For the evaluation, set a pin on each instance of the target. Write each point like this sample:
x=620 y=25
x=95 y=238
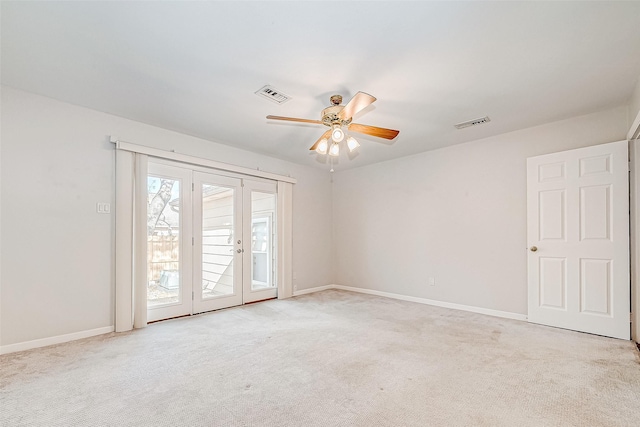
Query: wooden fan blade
x=374 y=131
x=359 y=102
x=324 y=135
x=293 y=119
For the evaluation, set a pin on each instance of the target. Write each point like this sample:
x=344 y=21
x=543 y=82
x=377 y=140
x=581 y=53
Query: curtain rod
x=185 y=158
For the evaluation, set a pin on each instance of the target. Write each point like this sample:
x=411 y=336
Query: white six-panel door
x=578 y=239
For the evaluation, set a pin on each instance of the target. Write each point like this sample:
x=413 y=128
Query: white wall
x=57 y=260
x=457 y=214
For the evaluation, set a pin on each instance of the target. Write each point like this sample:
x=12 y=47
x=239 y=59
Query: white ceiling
x=193 y=67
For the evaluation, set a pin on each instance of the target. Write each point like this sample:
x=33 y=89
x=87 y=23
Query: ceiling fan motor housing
x=330 y=115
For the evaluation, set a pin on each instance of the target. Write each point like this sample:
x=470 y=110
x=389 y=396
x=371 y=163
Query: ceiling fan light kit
x=337 y=134
x=322 y=146
x=335 y=117
x=352 y=144
x=334 y=150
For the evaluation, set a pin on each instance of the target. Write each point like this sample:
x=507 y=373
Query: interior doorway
x=578 y=238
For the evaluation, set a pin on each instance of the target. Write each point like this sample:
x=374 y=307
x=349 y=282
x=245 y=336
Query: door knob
x=533 y=248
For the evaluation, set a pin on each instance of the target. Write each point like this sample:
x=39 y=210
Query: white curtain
x=285 y=240
x=131 y=241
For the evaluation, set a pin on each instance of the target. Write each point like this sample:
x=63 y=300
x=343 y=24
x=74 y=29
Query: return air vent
x=273 y=94
x=473 y=122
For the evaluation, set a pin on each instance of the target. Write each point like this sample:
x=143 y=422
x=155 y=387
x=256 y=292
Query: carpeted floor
x=332 y=358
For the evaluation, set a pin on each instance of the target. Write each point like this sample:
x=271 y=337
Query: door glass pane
x=163 y=241
x=217 y=241
x=263 y=212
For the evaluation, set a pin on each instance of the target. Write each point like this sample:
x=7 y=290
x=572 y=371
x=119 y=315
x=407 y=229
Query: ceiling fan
x=338 y=116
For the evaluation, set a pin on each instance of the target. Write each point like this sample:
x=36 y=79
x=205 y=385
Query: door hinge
x=193 y=241
x=193 y=186
x=192 y=296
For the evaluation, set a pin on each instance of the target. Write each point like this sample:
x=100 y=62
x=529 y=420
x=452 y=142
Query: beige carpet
x=333 y=358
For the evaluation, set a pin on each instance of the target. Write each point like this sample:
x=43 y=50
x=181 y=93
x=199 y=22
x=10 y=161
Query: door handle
x=533 y=248
x=240 y=250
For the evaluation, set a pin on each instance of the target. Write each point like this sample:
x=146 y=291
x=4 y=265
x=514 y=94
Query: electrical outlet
x=432 y=281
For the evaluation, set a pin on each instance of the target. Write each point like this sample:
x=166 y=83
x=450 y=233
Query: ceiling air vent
x=273 y=94
x=473 y=122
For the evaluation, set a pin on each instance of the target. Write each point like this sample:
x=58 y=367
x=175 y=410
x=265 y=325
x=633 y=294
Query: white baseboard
x=480 y=310
x=27 y=345
x=43 y=342
x=311 y=290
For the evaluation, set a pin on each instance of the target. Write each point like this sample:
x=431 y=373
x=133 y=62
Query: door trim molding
x=634 y=182
x=634 y=130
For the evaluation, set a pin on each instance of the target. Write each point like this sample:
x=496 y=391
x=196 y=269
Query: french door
x=211 y=241
x=259 y=230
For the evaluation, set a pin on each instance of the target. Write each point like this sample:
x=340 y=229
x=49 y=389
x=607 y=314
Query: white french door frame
x=192 y=299
x=183 y=306
x=200 y=303
x=130 y=265
x=250 y=294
